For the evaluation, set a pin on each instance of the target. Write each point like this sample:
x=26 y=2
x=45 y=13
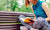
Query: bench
x=10 y=21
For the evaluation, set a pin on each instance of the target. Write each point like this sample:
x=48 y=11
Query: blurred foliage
x=12 y=6
x=48 y=5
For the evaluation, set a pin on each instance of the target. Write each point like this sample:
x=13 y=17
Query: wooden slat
x=14 y=14
x=8 y=17
x=7 y=21
x=7 y=29
x=7 y=24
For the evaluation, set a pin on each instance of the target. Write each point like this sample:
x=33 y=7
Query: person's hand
x=29 y=20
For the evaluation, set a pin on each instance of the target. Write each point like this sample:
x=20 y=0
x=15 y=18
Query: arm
x=33 y=13
x=47 y=11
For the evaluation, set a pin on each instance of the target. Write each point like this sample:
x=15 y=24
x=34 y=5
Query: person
x=41 y=13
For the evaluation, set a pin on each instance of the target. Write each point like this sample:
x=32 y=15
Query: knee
x=40 y=19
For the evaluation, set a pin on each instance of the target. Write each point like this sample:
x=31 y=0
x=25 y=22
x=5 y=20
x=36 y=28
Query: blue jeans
x=40 y=23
